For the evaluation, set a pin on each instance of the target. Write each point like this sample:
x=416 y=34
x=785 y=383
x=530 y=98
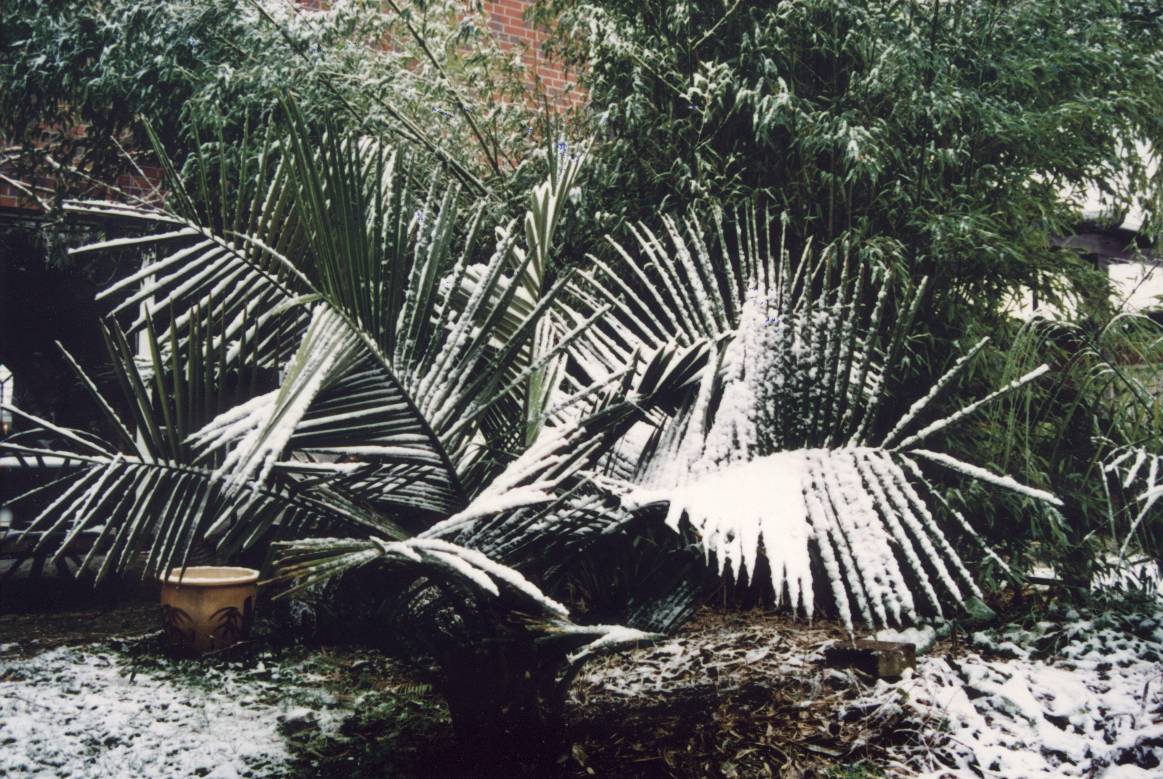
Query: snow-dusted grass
x=85 y=712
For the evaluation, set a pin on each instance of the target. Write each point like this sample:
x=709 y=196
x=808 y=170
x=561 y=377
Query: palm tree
x=447 y=415
x=397 y=329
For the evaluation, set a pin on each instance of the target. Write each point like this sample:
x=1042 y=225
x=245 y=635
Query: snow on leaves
x=772 y=452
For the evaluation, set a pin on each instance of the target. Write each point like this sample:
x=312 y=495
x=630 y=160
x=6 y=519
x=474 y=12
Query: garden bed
x=730 y=695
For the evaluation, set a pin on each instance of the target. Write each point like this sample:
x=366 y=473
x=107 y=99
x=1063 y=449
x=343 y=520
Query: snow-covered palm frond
x=321 y=259
x=548 y=497
x=310 y=561
x=153 y=492
x=777 y=448
x=221 y=253
x=517 y=608
x=546 y=503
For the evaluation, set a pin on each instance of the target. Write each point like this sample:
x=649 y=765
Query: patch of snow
x=923 y=402
x=855 y=505
x=766 y=504
x=922 y=637
x=725 y=655
x=1118 y=576
x=527 y=481
x=1127 y=576
x=941 y=424
x=84 y=712
x=1138 y=285
x=255 y=433
x=1094 y=707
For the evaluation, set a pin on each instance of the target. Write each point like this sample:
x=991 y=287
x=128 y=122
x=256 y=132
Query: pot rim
x=211 y=576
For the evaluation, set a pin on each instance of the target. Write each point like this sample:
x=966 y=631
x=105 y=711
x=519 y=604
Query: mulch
x=34 y=631
x=732 y=695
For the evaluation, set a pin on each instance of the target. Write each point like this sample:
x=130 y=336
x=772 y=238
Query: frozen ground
x=88 y=713
x=1076 y=697
x=729 y=695
x=1072 y=697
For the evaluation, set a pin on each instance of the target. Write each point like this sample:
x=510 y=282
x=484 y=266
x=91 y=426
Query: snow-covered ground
x=86 y=713
x=1077 y=697
x=1072 y=697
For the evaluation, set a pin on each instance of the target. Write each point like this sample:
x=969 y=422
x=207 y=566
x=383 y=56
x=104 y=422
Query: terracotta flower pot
x=208 y=607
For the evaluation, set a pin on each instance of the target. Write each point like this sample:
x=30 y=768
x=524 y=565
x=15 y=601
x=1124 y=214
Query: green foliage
x=1102 y=400
x=863 y=769
x=949 y=140
x=321 y=260
x=449 y=405
x=77 y=77
x=942 y=131
x=393 y=732
x=429 y=347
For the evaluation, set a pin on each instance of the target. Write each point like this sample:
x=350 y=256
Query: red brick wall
x=12 y=198
x=508 y=23
x=507 y=20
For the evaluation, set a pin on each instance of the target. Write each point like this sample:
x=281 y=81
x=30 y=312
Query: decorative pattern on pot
x=207 y=607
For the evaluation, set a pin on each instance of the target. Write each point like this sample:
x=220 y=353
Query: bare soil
x=78 y=626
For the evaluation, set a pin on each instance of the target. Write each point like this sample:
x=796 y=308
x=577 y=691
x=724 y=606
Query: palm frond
x=316 y=257
x=775 y=448
x=161 y=507
x=153 y=492
x=478 y=582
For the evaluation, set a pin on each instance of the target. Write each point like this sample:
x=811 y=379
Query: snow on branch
x=312 y=560
x=941 y=424
x=258 y=430
x=922 y=403
x=736 y=509
x=852 y=506
x=989 y=477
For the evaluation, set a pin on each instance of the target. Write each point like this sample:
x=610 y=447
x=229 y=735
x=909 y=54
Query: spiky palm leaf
x=148 y=489
x=777 y=449
x=752 y=365
x=319 y=258
x=474 y=577
x=393 y=349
